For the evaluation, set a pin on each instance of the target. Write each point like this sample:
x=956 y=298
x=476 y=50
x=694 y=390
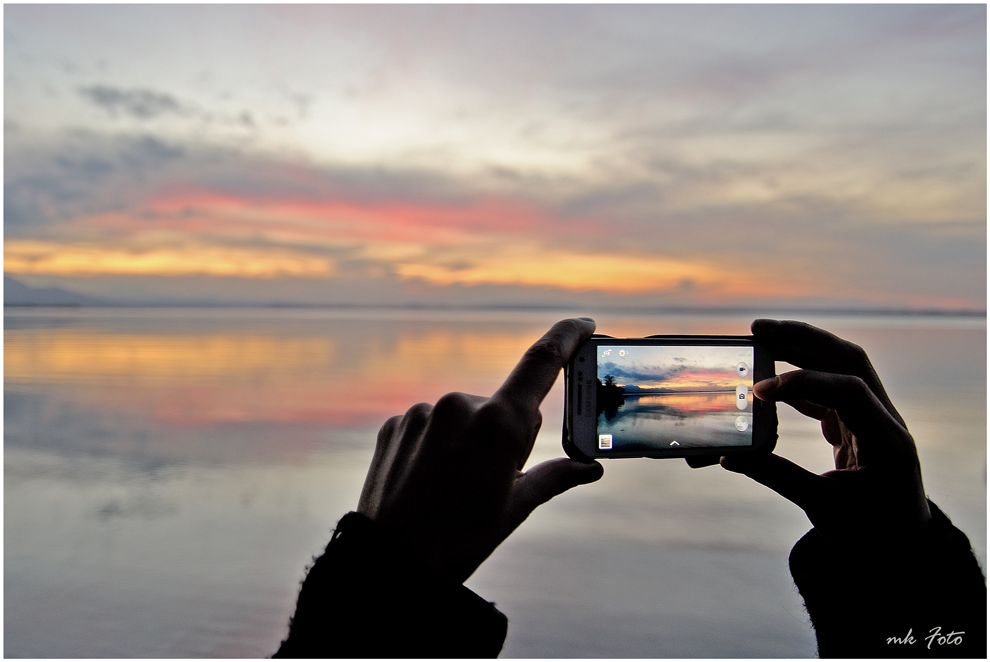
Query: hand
x=449 y=478
x=875 y=491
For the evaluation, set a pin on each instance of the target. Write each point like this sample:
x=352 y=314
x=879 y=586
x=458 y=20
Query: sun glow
x=190 y=259
x=197 y=232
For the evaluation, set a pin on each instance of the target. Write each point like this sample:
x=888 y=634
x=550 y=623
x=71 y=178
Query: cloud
x=138 y=103
x=656 y=374
x=138 y=205
x=79 y=174
x=646 y=154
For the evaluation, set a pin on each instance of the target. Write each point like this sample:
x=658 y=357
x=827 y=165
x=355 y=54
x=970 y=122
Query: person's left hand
x=448 y=478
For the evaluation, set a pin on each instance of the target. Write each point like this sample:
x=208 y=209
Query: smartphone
x=667 y=396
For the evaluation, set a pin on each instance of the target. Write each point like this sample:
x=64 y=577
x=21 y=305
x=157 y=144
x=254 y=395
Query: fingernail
x=586 y=319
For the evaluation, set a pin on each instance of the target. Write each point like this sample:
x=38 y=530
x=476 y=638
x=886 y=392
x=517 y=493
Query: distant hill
x=19 y=294
x=633 y=389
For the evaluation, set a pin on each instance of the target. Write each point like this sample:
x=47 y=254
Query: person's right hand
x=449 y=478
x=875 y=491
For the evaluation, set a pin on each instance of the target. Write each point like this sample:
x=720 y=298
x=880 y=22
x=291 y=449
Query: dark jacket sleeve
x=367 y=596
x=927 y=599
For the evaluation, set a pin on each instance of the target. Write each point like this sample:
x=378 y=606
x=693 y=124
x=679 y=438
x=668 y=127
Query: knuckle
x=452 y=404
x=497 y=419
x=419 y=413
x=856 y=353
x=855 y=383
x=854 y=386
x=492 y=415
x=387 y=430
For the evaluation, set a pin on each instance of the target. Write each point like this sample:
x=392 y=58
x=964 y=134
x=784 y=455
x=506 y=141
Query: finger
x=537 y=424
x=451 y=415
x=796 y=484
x=537 y=370
x=699 y=461
x=809 y=409
x=762 y=388
x=832 y=429
x=831 y=426
x=382 y=445
x=545 y=481
x=856 y=405
x=414 y=421
x=385 y=433
x=809 y=347
x=524 y=455
x=828 y=418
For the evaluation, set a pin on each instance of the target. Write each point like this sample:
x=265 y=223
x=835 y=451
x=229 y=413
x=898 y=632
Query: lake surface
x=168 y=475
x=646 y=422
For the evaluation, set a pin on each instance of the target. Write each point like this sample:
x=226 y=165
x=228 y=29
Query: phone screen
x=668 y=397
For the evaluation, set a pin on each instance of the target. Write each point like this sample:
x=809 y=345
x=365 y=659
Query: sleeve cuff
x=369 y=596
x=888 y=601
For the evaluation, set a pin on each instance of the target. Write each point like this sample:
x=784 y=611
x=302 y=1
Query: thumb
x=546 y=480
x=794 y=483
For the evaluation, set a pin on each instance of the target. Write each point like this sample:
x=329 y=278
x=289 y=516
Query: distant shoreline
x=748 y=311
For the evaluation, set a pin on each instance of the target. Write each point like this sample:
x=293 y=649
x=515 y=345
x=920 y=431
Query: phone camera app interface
x=652 y=397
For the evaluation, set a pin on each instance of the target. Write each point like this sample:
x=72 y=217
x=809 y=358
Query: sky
x=644 y=155
x=676 y=368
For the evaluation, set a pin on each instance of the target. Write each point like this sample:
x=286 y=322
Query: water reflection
x=644 y=422
x=169 y=474
x=343 y=376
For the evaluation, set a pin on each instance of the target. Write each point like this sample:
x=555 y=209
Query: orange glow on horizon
x=193 y=232
x=194 y=380
x=692 y=402
x=25 y=256
x=695 y=380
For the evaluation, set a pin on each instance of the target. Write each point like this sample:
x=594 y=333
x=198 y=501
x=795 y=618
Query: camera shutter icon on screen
x=741 y=392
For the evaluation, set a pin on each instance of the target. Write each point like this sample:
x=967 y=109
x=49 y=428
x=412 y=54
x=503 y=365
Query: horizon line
x=836 y=310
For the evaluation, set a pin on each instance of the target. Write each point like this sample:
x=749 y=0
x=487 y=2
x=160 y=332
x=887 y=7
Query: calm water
x=169 y=474
x=644 y=422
